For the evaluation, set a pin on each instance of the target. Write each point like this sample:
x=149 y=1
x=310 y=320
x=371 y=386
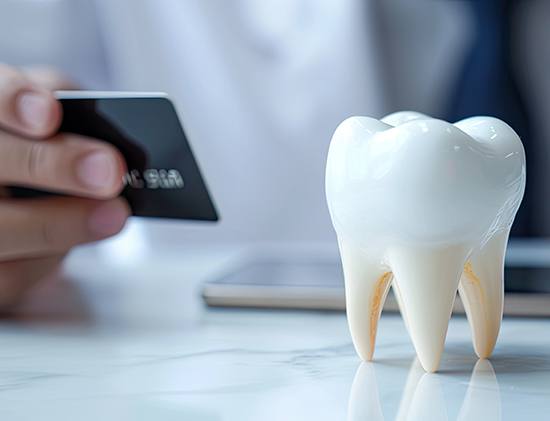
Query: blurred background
x=261 y=86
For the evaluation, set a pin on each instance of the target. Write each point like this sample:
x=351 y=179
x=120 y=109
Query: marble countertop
x=128 y=338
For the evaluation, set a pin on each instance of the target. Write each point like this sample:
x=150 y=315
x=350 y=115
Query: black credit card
x=163 y=179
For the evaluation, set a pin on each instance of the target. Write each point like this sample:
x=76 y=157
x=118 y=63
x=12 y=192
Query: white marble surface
x=126 y=337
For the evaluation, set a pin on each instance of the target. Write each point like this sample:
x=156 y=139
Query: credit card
x=163 y=178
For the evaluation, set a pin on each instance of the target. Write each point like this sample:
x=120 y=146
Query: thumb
x=26 y=108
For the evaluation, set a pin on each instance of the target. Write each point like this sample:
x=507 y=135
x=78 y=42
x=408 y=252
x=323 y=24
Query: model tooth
x=367 y=284
x=482 y=293
x=427 y=279
x=426 y=205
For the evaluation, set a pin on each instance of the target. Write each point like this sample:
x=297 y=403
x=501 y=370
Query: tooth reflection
x=483 y=396
x=423 y=397
x=364 y=402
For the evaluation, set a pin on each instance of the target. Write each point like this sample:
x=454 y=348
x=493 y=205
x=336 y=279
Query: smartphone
x=318 y=284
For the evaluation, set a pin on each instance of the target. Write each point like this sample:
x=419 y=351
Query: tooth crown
x=423 y=181
x=429 y=204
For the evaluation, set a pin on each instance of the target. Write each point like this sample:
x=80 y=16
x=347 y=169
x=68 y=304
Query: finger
x=18 y=276
x=35 y=227
x=65 y=163
x=26 y=108
x=49 y=78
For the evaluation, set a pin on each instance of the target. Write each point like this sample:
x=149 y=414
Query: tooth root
x=397 y=295
x=427 y=279
x=482 y=293
x=366 y=285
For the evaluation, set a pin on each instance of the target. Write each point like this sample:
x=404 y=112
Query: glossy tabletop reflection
x=131 y=340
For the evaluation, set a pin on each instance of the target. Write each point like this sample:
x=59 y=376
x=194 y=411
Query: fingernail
x=108 y=219
x=33 y=109
x=97 y=170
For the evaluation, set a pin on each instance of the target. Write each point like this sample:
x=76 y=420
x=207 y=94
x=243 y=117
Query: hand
x=35 y=234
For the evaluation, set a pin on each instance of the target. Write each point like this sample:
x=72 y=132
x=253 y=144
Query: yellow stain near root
x=470 y=274
x=474 y=280
x=376 y=307
x=483 y=350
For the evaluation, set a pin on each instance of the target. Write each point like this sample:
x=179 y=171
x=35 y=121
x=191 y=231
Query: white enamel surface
x=131 y=340
x=431 y=204
x=424 y=181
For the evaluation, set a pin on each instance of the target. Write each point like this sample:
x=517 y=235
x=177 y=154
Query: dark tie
x=487 y=86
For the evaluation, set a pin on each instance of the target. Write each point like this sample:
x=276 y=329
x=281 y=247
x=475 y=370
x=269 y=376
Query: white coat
x=260 y=85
